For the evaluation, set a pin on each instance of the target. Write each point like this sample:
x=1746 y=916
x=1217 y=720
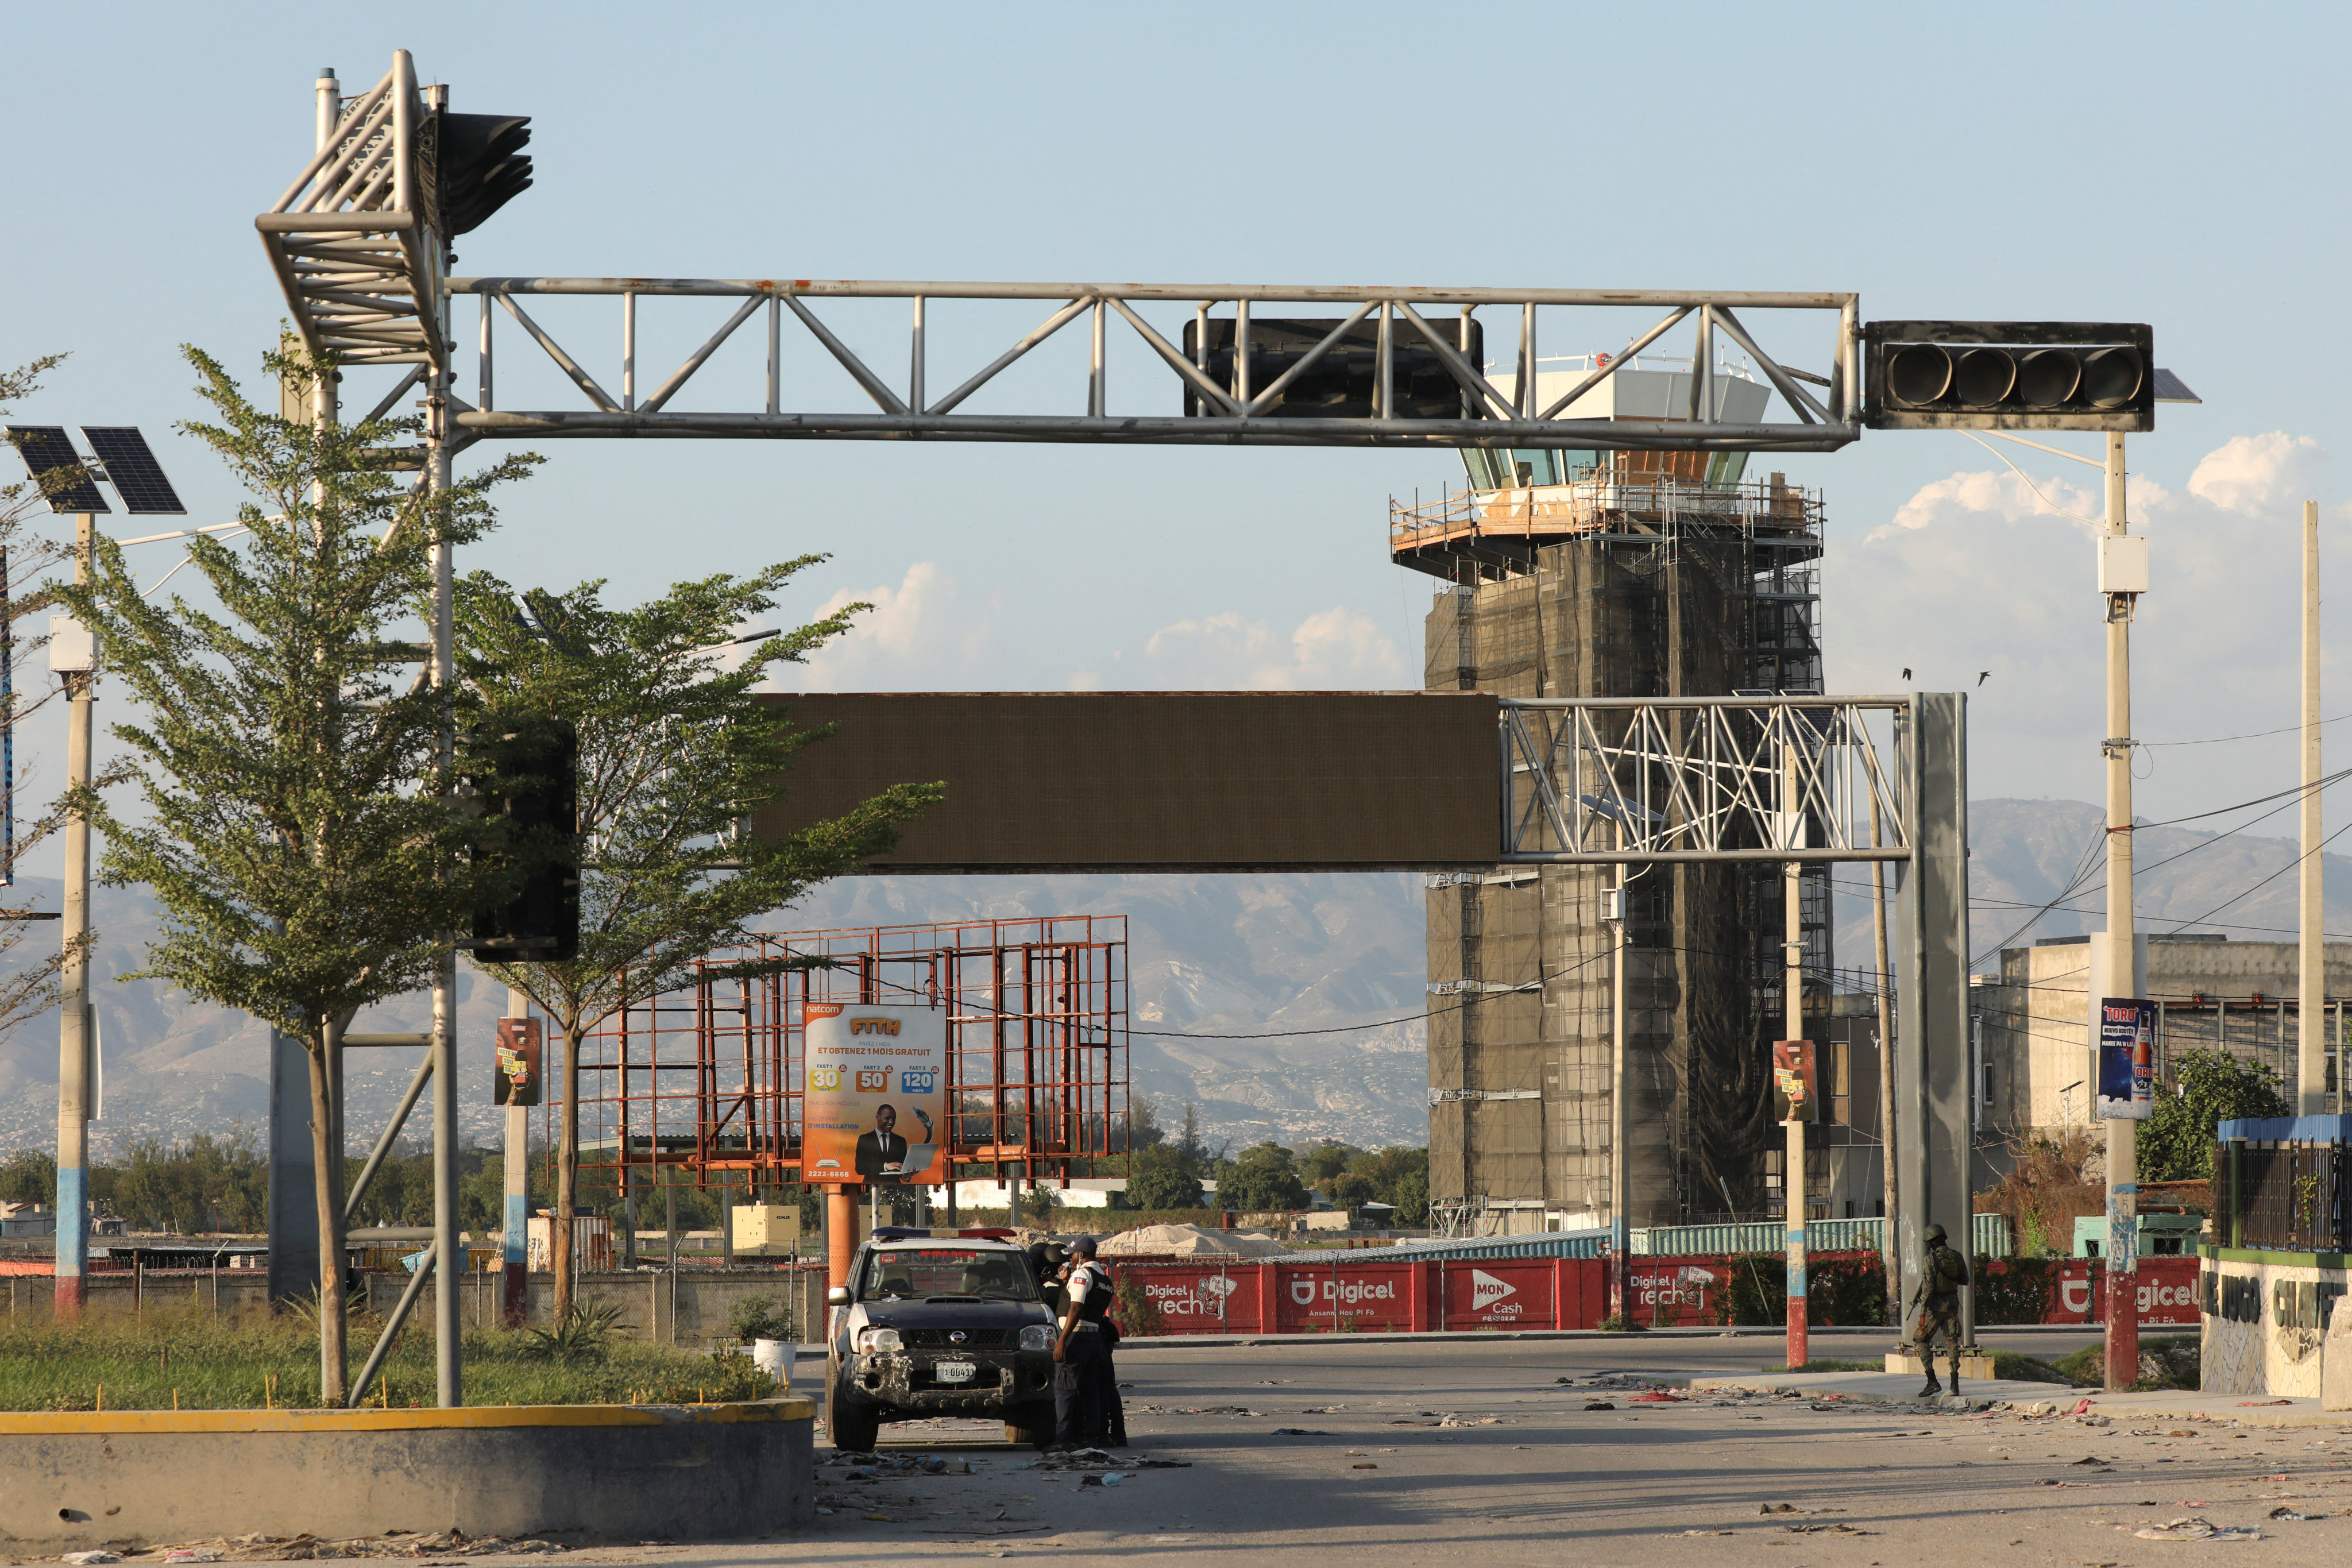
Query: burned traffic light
x=470 y=166
x=526 y=774
x=1343 y=383
x=2009 y=375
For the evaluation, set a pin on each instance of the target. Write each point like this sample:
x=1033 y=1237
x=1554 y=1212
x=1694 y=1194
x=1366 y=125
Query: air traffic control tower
x=1585 y=573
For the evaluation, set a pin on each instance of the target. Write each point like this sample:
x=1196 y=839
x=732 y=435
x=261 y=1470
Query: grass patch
x=1622 y=1325
x=2033 y=1369
x=1817 y=1364
x=183 y=1355
x=2166 y=1361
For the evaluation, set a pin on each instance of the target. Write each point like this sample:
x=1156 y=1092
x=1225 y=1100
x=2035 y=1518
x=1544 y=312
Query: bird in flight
x=1982 y=675
x=1907 y=672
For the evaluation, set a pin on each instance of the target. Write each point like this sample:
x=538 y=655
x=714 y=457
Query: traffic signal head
x=527 y=777
x=1342 y=383
x=469 y=166
x=2009 y=375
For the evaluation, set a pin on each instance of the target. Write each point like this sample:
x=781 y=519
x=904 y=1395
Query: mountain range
x=1281 y=1006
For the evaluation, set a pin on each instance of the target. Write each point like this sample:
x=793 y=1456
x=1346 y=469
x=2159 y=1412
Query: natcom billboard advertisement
x=876 y=1095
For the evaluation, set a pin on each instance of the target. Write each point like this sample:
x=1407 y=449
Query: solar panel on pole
x=45 y=450
x=132 y=470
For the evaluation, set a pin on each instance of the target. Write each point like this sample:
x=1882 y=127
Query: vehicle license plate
x=953 y=1370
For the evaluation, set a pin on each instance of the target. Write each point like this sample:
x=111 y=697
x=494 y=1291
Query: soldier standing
x=1942 y=1273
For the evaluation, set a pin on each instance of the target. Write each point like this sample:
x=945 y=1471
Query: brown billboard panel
x=1161 y=780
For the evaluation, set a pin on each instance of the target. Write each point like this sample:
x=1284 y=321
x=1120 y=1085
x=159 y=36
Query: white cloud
x=1334 y=649
x=2252 y=474
x=920 y=635
x=1974 y=573
x=1999 y=493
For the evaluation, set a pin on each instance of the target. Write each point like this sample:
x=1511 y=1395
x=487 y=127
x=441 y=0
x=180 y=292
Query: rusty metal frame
x=709 y=1079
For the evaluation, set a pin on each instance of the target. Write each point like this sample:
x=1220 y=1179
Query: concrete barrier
x=69 y=1481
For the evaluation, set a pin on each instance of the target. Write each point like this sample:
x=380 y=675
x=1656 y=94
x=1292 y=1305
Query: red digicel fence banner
x=1358 y=1294
x=2168 y=1292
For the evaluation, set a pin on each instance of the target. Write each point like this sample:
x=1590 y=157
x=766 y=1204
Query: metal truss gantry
x=362 y=269
x=1596 y=781
x=1778 y=779
x=366 y=277
x=1241 y=412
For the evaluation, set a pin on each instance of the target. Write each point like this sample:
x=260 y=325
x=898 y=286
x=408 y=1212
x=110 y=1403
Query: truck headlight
x=1037 y=1337
x=870 y=1340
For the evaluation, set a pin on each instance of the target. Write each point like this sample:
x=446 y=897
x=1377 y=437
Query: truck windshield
x=916 y=1273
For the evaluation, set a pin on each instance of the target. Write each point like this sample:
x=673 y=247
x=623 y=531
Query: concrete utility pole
x=2311 y=969
x=1887 y=1239
x=516 y=1305
x=1793 y=994
x=2123 y=1133
x=1792 y=1180
x=77 y=667
x=1620 y=1168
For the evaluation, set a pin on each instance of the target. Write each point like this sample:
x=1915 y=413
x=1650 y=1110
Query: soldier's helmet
x=1936 y=1233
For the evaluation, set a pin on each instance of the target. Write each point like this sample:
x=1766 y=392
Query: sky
x=2165 y=164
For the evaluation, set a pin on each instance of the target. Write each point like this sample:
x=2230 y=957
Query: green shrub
x=756 y=1318
x=1840 y=1292
x=2013 y=1289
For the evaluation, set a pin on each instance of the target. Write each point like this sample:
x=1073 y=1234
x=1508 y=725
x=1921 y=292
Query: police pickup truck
x=938 y=1323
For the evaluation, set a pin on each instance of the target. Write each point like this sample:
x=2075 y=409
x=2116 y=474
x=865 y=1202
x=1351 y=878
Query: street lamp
x=70 y=484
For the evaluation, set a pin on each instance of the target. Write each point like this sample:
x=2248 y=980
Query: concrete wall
x=2264 y=1318
x=73 y=1481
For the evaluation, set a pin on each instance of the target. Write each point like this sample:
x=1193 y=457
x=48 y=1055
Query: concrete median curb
x=75 y=1481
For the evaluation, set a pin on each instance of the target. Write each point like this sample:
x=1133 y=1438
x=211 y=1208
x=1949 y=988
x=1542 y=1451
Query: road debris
x=2194 y=1528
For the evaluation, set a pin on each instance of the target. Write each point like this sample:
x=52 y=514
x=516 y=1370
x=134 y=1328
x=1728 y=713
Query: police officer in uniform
x=1080 y=1362
x=1942 y=1273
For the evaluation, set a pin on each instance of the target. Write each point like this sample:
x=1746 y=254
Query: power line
x=2256 y=735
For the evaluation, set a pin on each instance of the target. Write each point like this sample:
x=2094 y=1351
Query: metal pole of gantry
x=449 y=1257
x=1931 y=1036
x=80 y=673
x=293 y=1185
x=2123 y=1143
x=2311 y=973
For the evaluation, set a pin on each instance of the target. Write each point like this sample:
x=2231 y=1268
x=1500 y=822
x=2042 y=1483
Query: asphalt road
x=1472 y=1454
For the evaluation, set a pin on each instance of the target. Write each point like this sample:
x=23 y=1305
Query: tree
x=1160 y=1178
x=205 y=1184
x=676 y=753
x=299 y=829
x=1350 y=1188
x=1265 y=1179
x=1326 y=1160
x=1412 y=1199
x=2209 y=1088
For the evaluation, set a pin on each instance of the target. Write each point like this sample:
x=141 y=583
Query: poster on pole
x=520 y=1055
x=876 y=1100
x=2127 y=1058
x=1792 y=1080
